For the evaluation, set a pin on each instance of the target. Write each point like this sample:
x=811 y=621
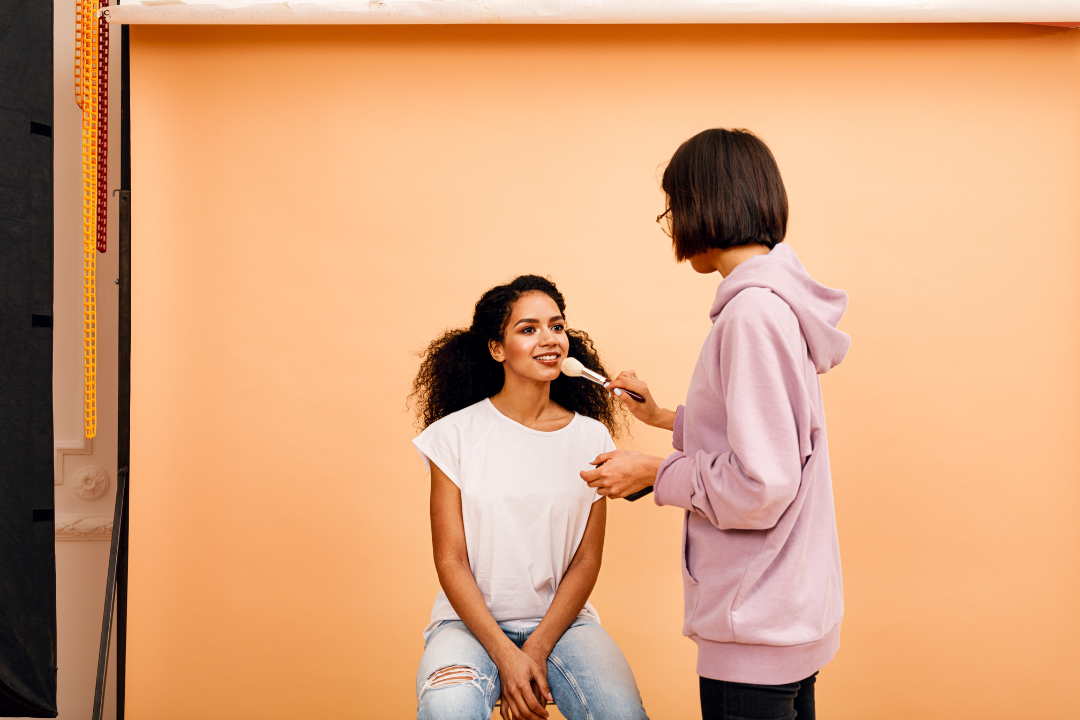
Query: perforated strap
x=87 y=95
x=103 y=128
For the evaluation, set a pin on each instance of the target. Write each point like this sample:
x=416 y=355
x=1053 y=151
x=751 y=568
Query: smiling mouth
x=547 y=358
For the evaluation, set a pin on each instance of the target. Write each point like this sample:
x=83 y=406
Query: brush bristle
x=572 y=367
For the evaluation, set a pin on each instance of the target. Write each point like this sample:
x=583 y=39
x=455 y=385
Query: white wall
x=82 y=564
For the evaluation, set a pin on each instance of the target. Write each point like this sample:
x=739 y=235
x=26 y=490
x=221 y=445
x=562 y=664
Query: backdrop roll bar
x=459 y=12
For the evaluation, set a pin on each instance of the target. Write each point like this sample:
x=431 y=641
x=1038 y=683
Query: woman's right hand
x=647 y=412
x=524 y=683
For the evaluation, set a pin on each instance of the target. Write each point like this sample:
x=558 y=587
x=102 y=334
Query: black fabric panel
x=27 y=557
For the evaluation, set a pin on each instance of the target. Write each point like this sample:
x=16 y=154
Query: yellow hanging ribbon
x=86 y=95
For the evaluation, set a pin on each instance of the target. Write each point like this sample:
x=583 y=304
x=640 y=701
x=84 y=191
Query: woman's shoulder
x=589 y=424
x=467 y=418
x=757 y=310
x=451 y=440
x=756 y=302
x=592 y=431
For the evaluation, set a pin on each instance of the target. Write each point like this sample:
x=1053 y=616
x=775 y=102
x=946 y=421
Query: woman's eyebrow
x=535 y=321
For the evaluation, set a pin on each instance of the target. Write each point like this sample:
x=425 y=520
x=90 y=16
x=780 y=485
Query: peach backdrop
x=313 y=204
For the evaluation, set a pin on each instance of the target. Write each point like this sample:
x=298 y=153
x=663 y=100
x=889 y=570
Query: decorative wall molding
x=91 y=482
x=74 y=526
x=82 y=446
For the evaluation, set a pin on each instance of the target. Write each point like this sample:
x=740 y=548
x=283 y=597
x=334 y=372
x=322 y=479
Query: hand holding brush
x=572 y=367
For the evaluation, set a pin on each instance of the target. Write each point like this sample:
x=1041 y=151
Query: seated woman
x=517 y=535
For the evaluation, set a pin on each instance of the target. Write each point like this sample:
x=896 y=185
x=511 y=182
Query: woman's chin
x=540 y=375
x=534 y=371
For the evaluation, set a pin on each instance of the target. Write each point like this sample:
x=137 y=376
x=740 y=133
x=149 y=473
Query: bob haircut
x=723 y=189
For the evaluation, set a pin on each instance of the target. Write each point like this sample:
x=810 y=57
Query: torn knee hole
x=452 y=675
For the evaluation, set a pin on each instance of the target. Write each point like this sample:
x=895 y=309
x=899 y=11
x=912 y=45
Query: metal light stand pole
x=116 y=589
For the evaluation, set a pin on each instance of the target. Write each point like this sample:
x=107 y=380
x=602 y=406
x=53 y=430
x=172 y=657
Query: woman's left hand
x=622 y=472
x=540 y=657
x=524 y=685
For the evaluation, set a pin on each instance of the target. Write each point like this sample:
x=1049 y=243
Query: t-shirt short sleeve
x=600 y=442
x=440 y=443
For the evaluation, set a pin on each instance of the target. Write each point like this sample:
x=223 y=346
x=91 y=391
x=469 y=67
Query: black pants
x=722 y=700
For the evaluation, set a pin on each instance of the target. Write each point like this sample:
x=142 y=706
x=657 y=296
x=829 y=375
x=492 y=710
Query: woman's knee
x=617 y=702
x=618 y=705
x=597 y=702
x=591 y=671
x=454 y=692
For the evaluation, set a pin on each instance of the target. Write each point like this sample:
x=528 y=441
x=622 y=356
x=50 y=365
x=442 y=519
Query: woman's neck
x=528 y=402
x=730 y=258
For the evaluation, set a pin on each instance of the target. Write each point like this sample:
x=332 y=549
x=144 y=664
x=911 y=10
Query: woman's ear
x=496 y=349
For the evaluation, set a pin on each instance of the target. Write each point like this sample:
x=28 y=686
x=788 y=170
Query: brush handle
x=639 y=494
x=601 y=380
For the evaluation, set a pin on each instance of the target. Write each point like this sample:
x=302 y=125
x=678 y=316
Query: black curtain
x=27 y=557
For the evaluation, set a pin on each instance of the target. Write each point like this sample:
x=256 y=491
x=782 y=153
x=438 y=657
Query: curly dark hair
x=457 y=369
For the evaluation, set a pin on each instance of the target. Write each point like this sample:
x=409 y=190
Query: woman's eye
x=527 y=330
x=557 y=328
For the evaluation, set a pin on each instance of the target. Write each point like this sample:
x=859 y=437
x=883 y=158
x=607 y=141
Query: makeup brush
x=572 y=367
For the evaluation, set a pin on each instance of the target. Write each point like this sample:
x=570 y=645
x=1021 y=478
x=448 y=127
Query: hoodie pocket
x=687 y=575
x=690 y=585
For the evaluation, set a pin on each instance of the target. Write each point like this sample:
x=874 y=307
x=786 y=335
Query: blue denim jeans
x=589 y=677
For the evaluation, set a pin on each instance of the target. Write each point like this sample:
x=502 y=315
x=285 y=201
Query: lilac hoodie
x=761 y=560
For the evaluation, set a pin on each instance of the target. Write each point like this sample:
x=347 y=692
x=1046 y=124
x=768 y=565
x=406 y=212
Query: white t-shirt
x=523 y=504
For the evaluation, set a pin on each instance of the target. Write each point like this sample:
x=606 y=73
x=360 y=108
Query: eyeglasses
x=664 y=221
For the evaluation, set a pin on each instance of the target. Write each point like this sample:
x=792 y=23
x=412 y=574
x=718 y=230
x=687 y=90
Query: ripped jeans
x=589 y=677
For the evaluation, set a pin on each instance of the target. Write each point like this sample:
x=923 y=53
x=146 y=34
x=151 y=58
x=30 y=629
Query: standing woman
x=761 y=561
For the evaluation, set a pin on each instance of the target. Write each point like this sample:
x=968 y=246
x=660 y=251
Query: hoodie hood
x=817 y=307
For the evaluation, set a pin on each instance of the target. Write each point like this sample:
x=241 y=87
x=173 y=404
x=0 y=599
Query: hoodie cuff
x=675 y=482
x=676 y=430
